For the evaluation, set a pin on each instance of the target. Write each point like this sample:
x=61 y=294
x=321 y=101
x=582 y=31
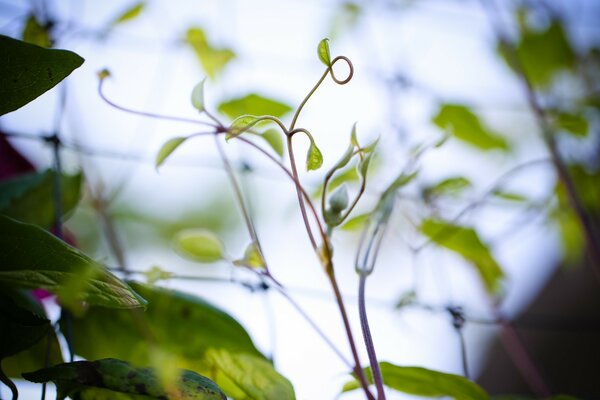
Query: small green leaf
x=467 y=243
x=576 y=124
x=402 y=180
x=252 y=258
x=36 y=33
x=156 y=274
x=461 y=122
x=244 y=376
x=363 y=165
x=198 y=96
x=213 y=59
x=131 y=13
x=353 y=138
x=406 y=299
x=241 y=124
x=447 y=187
x=323 y=52
x=166 y=150
x=199 y=245
x=30 y=198
x=509 y=196
x=80 y=379
x=338 y=201
x=28 y=71
x=425 y=382
x=253 y=104
x=356 y=223
x=273 y=138
x=314 y=158
x=32 y=258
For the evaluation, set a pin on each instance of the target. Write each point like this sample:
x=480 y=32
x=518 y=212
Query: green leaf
x=199 y=245
x=30 y=198
x=36 y=33
x=32 y=258
x=314 y=158
x=363 y=165
x=253 y=104
x=345 y=18
x=79 y=377
x=131 y=13
x=241 y=124
x=28 y=71
x=245 y=376
x=356 y=223
x=198 y=96
x=461 y=122
x=338 y=201
x=425 y=382
x=180 y=324
x=213 y=59
x=21 y=328
x=156 y=274
x=273 y=137
x=447 y=187
x=509 y=196
x=323 y=52
x=252 y=258
x=166 y=150
x=402 y=180
x=576 y=124
x=541 y=54
x=466 y=243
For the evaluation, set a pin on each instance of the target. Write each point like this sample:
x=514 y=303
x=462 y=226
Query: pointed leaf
x=30 y=198
x=447 y=187
x=466 y=242
x=28 y=71
x=168 y=148
x=131 y=13
x=81 y=379
x=32 y=258
x=356 y=223
x=241 y=124
x=199 y=245
x=213 y=59
x=461 y=122
x=253 y=104
x=35 y=33
x=314 y=158
x=323 y=52
x=425 y=382
x=509 y=196
x=245 y=376
x=252 y=258
x=198 y=96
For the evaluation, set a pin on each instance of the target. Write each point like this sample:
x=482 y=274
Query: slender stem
x=364 y=324
x=11 y=385
x=303 y=103
x=463 y=352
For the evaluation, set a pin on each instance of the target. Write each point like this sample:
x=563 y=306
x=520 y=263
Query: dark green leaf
x=541 y=54
x=273 y=137
x=425 y=382
x=36 y=33
x=576 y=124
x=245 y=376
x=166 y=150
x=73 y=378
x=253 y=104
x=323 y=52
x=449 y=186
x=129 y=14
x=199 y=245
x=314 y=158
x=461 y=122
x=466 y=242
x=28 y=71
x=30 y=198
x=32 y=258
x=213 y=59
x=21 y=328
x=180 y=324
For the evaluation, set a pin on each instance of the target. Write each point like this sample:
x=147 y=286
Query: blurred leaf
x=466 y=242
x=344 y=19
x=447 y=187
x=541 y=54
x=314 y=158
x=576 y=124
x=253 y=104
x=30 y=198
x=213 y=59
x=406 y=299
x=402 y=180
x=178 y=323
x=34 y=357
x=199 y=245
x=241 y=124
x=323 y=52
x=156 y=274
x=356 y=223
x=131 y=13
x=338 y=201
x=252 y=258
x=198 y=96
x=461 y=122
x=245 y=376
x=80 y=379
x=36 y=33
x=32 y=258
x=273 y=137
x=28 y=71
x=424 y=382
x=509 y=196
x=348 y=175
x=167 y=148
